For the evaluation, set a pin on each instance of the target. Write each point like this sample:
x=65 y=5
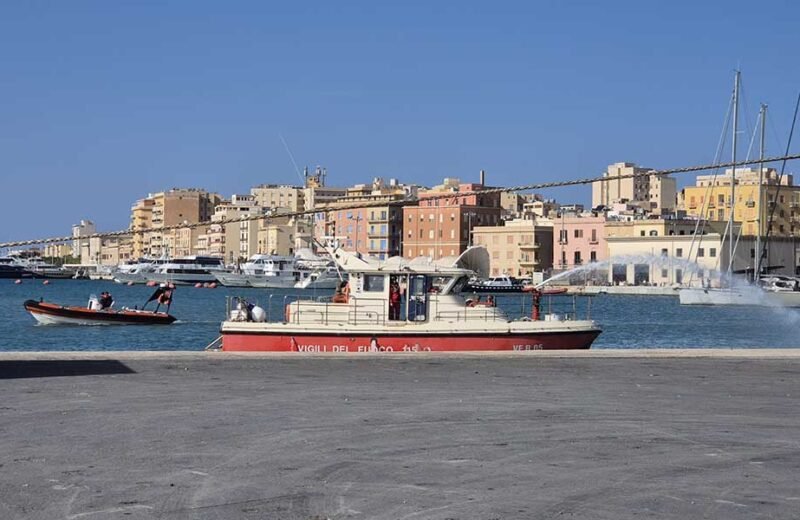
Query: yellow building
x=652 y=193
x=710 y=199
x=518 y=248
x=168 y=208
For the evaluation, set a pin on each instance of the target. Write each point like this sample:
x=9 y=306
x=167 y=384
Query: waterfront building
x=654 y=194
x=578 y=239
x=376 y=230
x=234 y=241
x=276 y=235
x=273 y=196
x=83 y=229
x=687 y=260
x=518 y=247
x=168 y=208
x=710 y=198
x=438 y=227
x=116 y=250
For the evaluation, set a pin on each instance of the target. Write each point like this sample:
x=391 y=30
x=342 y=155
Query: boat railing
x=514 y=307
x=323 y=311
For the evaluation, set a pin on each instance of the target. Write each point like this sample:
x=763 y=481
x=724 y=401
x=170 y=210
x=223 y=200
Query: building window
x=594 y=235
x=577 y=258
x=712 y=252
x=701 y=252
x=679 y=252
x=664 y=252
x=664 y=273
x=562 y=236
x=678 y=276
x=509 y=255
x=641 y=233
x=593 y=256
x=578 y=233
x=653 y=233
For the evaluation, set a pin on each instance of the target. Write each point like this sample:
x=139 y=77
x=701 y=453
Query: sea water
x=626 y=321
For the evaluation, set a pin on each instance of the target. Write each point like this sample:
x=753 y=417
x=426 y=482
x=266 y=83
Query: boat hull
x=398 y=342
x=181 y=279
x=53 y=314
x=751 y=296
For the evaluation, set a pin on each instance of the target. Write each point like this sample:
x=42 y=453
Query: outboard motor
x=94 y=303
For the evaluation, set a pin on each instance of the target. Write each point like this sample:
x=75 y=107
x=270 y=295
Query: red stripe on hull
x=308 y=343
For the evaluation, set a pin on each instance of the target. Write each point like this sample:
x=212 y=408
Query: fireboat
x=430 y=314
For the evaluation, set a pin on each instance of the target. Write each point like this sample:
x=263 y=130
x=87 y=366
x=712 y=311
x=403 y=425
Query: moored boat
x=499 y=284
x=52 y=314
x=403 y=306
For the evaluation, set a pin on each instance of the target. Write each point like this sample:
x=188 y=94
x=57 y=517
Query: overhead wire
x=401 y=202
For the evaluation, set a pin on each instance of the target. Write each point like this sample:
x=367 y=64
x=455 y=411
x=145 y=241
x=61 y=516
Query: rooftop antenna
x=294 y=163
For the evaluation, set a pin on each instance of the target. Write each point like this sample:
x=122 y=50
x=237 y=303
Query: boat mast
x=763 y=117
x=733 y=173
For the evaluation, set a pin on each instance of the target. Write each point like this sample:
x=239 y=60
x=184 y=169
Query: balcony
x=528 y=263
x=378 y=234
x=528 y=246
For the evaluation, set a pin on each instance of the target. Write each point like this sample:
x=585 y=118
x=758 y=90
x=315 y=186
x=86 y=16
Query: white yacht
x=136 y=271
x=282 y=272
x=188 y=270
x=41 y=269
x=10 y=267
x=263 y=271
x=319 y=278
x=772 y=291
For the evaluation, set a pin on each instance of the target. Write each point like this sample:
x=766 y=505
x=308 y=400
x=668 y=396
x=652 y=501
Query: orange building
x=439 y=227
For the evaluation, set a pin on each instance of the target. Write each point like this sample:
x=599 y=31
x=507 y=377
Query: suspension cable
x=401 y=202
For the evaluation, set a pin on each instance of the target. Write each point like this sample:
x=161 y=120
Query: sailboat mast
x=733 y=172
x=762 y=153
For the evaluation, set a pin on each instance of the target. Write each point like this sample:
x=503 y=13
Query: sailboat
x=766 y=290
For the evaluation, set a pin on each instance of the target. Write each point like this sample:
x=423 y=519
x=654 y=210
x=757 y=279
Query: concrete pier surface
x=594 y=435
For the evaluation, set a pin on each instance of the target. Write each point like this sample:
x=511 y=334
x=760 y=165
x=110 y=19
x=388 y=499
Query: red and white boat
x=55 y=314
x=433 y=315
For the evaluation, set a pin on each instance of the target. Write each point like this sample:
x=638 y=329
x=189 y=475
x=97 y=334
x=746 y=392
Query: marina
x=627 y=321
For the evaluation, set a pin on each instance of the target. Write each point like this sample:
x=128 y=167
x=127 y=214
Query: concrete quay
x=591 y=435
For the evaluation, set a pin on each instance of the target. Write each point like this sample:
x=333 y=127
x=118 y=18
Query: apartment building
x=169 y=208
x=441 y=223
x=655 y=194
x=774 y=208
x=578 y=239
x=519 y=247
x=376 y=230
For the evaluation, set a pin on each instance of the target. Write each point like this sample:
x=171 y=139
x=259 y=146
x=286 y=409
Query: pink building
x=578 y=240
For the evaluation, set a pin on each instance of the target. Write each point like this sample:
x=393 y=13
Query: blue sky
x=103 y=102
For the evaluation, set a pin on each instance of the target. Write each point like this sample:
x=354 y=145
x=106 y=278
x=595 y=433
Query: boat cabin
x=393 y=292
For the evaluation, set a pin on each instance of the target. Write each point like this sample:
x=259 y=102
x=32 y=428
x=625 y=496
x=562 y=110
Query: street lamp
x=357 y=218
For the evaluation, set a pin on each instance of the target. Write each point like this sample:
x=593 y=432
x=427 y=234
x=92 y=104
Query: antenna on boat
x=291 y=157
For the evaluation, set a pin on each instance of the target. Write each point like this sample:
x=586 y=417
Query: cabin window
x=373 y=283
